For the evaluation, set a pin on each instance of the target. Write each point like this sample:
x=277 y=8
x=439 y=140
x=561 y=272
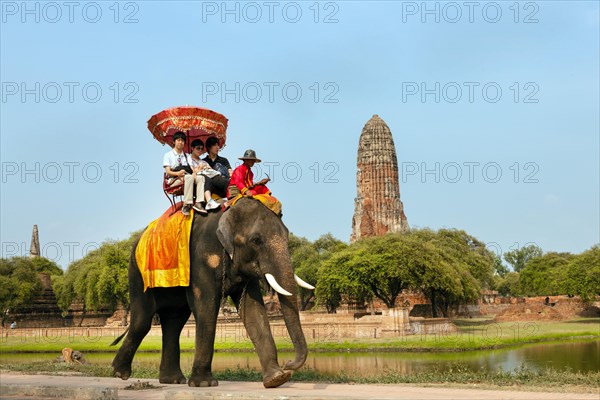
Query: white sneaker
x=211 y=205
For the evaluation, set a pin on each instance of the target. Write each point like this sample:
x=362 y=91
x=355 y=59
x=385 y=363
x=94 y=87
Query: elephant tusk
x=303 y=284
x=273 y=282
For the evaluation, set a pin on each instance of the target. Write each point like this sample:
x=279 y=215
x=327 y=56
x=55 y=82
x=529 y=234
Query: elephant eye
x=256 y=241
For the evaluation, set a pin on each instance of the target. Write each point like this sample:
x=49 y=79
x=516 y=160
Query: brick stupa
x=377 y=207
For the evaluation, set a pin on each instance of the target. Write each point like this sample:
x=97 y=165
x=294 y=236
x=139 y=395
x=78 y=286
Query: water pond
x=581 y=356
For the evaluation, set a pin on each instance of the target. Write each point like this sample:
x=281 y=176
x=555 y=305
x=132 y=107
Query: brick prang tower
x=377 y=207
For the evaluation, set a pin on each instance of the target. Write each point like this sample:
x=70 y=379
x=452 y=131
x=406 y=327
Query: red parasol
x=196 y=122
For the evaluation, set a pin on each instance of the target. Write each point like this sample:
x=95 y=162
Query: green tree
x=20 y=282
x=327 y=244
x=308 y=257
x=99 y=280
x=382 y=265
x=500 y=269
x=334 y=284
x=113 y=282
x=306 y=262
x=520 y=257
x=508 y=285
x=475 y=256
x=456 y=270
x=329 y=285
x=294 y=242
x=544 y=275
x=448 y=266
x=583 y=274
x=42 y=264
x=74 y=285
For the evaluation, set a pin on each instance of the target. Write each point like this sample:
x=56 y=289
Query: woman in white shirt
x=201 y=168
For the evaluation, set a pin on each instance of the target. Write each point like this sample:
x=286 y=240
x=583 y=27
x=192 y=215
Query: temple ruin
x=377 y=207
x=34 y=251
x=43 y=310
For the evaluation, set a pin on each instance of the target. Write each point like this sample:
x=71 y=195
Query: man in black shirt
x=219 y=184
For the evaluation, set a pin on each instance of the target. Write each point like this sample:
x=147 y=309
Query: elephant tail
x=117 y=340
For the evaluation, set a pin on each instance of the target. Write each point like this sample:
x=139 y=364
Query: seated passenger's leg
x=211 y=187
x=207 y=188
x=188 y=194
x=200 y=183
x=220 y=184
x=188 y=189
x=174 y=181
x=261 y=189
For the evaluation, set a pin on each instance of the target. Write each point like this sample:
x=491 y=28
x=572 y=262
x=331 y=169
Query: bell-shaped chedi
x=378 y=209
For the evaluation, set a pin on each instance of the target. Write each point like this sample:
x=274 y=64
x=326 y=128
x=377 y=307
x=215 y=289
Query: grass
x=453 y=375
x=474 y=334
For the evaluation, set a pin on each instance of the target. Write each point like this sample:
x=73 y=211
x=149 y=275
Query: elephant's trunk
x=291 y=316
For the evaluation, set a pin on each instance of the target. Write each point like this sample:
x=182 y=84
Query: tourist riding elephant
x=230 y=253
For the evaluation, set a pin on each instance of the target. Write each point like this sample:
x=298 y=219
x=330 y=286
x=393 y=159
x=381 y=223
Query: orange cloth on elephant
x=243 y=178
x=163 y=252
x=267 y=200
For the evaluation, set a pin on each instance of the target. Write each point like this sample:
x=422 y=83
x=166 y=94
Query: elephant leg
x=253 y=313
x=172 y=322
x=141 y=322
x=204 y=303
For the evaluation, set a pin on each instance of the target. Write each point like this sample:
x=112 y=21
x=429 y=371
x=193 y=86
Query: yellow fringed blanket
x=163 y=252
x=267 y=200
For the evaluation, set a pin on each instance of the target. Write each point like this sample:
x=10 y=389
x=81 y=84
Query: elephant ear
x=225 y=231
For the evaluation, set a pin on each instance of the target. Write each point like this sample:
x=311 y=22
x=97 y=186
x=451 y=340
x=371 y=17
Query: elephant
x=231 y=252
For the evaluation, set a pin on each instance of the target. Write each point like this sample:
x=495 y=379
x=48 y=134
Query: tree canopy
x=583 y=274
x=462 y=266
x=449 y=266
x=20 y=282
x=334 y=284
x=508 y=285
x=375 y=264
x=98 y=280
x=308 y=257
x=544 y=275
x=518 y=258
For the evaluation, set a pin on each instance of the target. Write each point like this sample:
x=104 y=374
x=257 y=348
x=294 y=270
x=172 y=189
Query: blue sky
x=493 y=108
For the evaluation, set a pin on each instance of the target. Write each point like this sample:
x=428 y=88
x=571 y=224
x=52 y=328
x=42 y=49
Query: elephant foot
x=172 y=379
x=200 y=382
x=278 y=379
x=123 y=373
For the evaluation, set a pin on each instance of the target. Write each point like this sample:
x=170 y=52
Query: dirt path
x=17 y=386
